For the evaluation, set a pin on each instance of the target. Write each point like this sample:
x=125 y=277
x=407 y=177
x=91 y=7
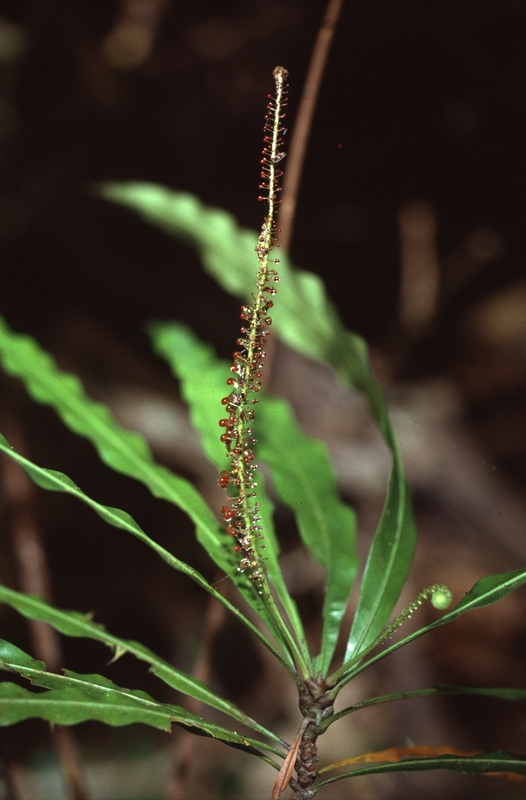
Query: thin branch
x=186 y=743
x=302 y=126
x=298 y=145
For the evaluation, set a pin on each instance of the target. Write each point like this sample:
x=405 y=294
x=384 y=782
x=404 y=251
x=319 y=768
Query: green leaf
x=497 y=761
x=203 y=377
x=72 y=698
x=304 y=480
x=306 y=320
x=75 y=624
x=301 y=472
x=227 y=253
x=71 y=706
x=484 y=593
x=511 y=695
x=56 y=481
x=122 y=450
x=387 y=565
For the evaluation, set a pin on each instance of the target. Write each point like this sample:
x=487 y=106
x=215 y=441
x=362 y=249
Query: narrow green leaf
x=75 y=624
x=227 y=253
x=203 y=377
x=71 y=706
x=387 y=566
x=306 y=320
x=497 y=761
x=303 y=477
x=485 y=592
x=301 y=473
x=511 y=695
x=123 y=450
x=56 y=481
x=72 y=698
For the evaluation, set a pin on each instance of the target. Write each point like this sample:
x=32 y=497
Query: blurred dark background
x=412 y=210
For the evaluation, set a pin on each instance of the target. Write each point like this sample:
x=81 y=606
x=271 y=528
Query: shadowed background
x=412 y=210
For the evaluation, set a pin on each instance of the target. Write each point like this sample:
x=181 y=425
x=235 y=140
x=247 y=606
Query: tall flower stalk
x=241 y=513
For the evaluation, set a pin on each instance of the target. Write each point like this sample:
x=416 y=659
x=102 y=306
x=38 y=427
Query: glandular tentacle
x=241 y=514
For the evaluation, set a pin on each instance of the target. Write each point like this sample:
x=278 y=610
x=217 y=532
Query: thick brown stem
x=316 y=705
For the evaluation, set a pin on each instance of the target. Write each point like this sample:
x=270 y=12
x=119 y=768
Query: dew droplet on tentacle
x=242 y=513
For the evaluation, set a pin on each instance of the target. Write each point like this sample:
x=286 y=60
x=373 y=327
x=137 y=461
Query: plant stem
x=302 y=127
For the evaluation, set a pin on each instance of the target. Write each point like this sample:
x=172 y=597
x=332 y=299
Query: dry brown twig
x=300 y=138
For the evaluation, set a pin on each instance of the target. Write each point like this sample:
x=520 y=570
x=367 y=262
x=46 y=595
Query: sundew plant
x=254 y=428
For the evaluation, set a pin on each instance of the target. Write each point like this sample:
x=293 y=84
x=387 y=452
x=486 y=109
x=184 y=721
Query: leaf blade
x=499 y=762
x=57 y=481
x=124 y=451
x=202 y=377
x=76 y=624
x=301 y=471
x=72 y=698
x=304 y=480
x=485 y=591
x=307 y=321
